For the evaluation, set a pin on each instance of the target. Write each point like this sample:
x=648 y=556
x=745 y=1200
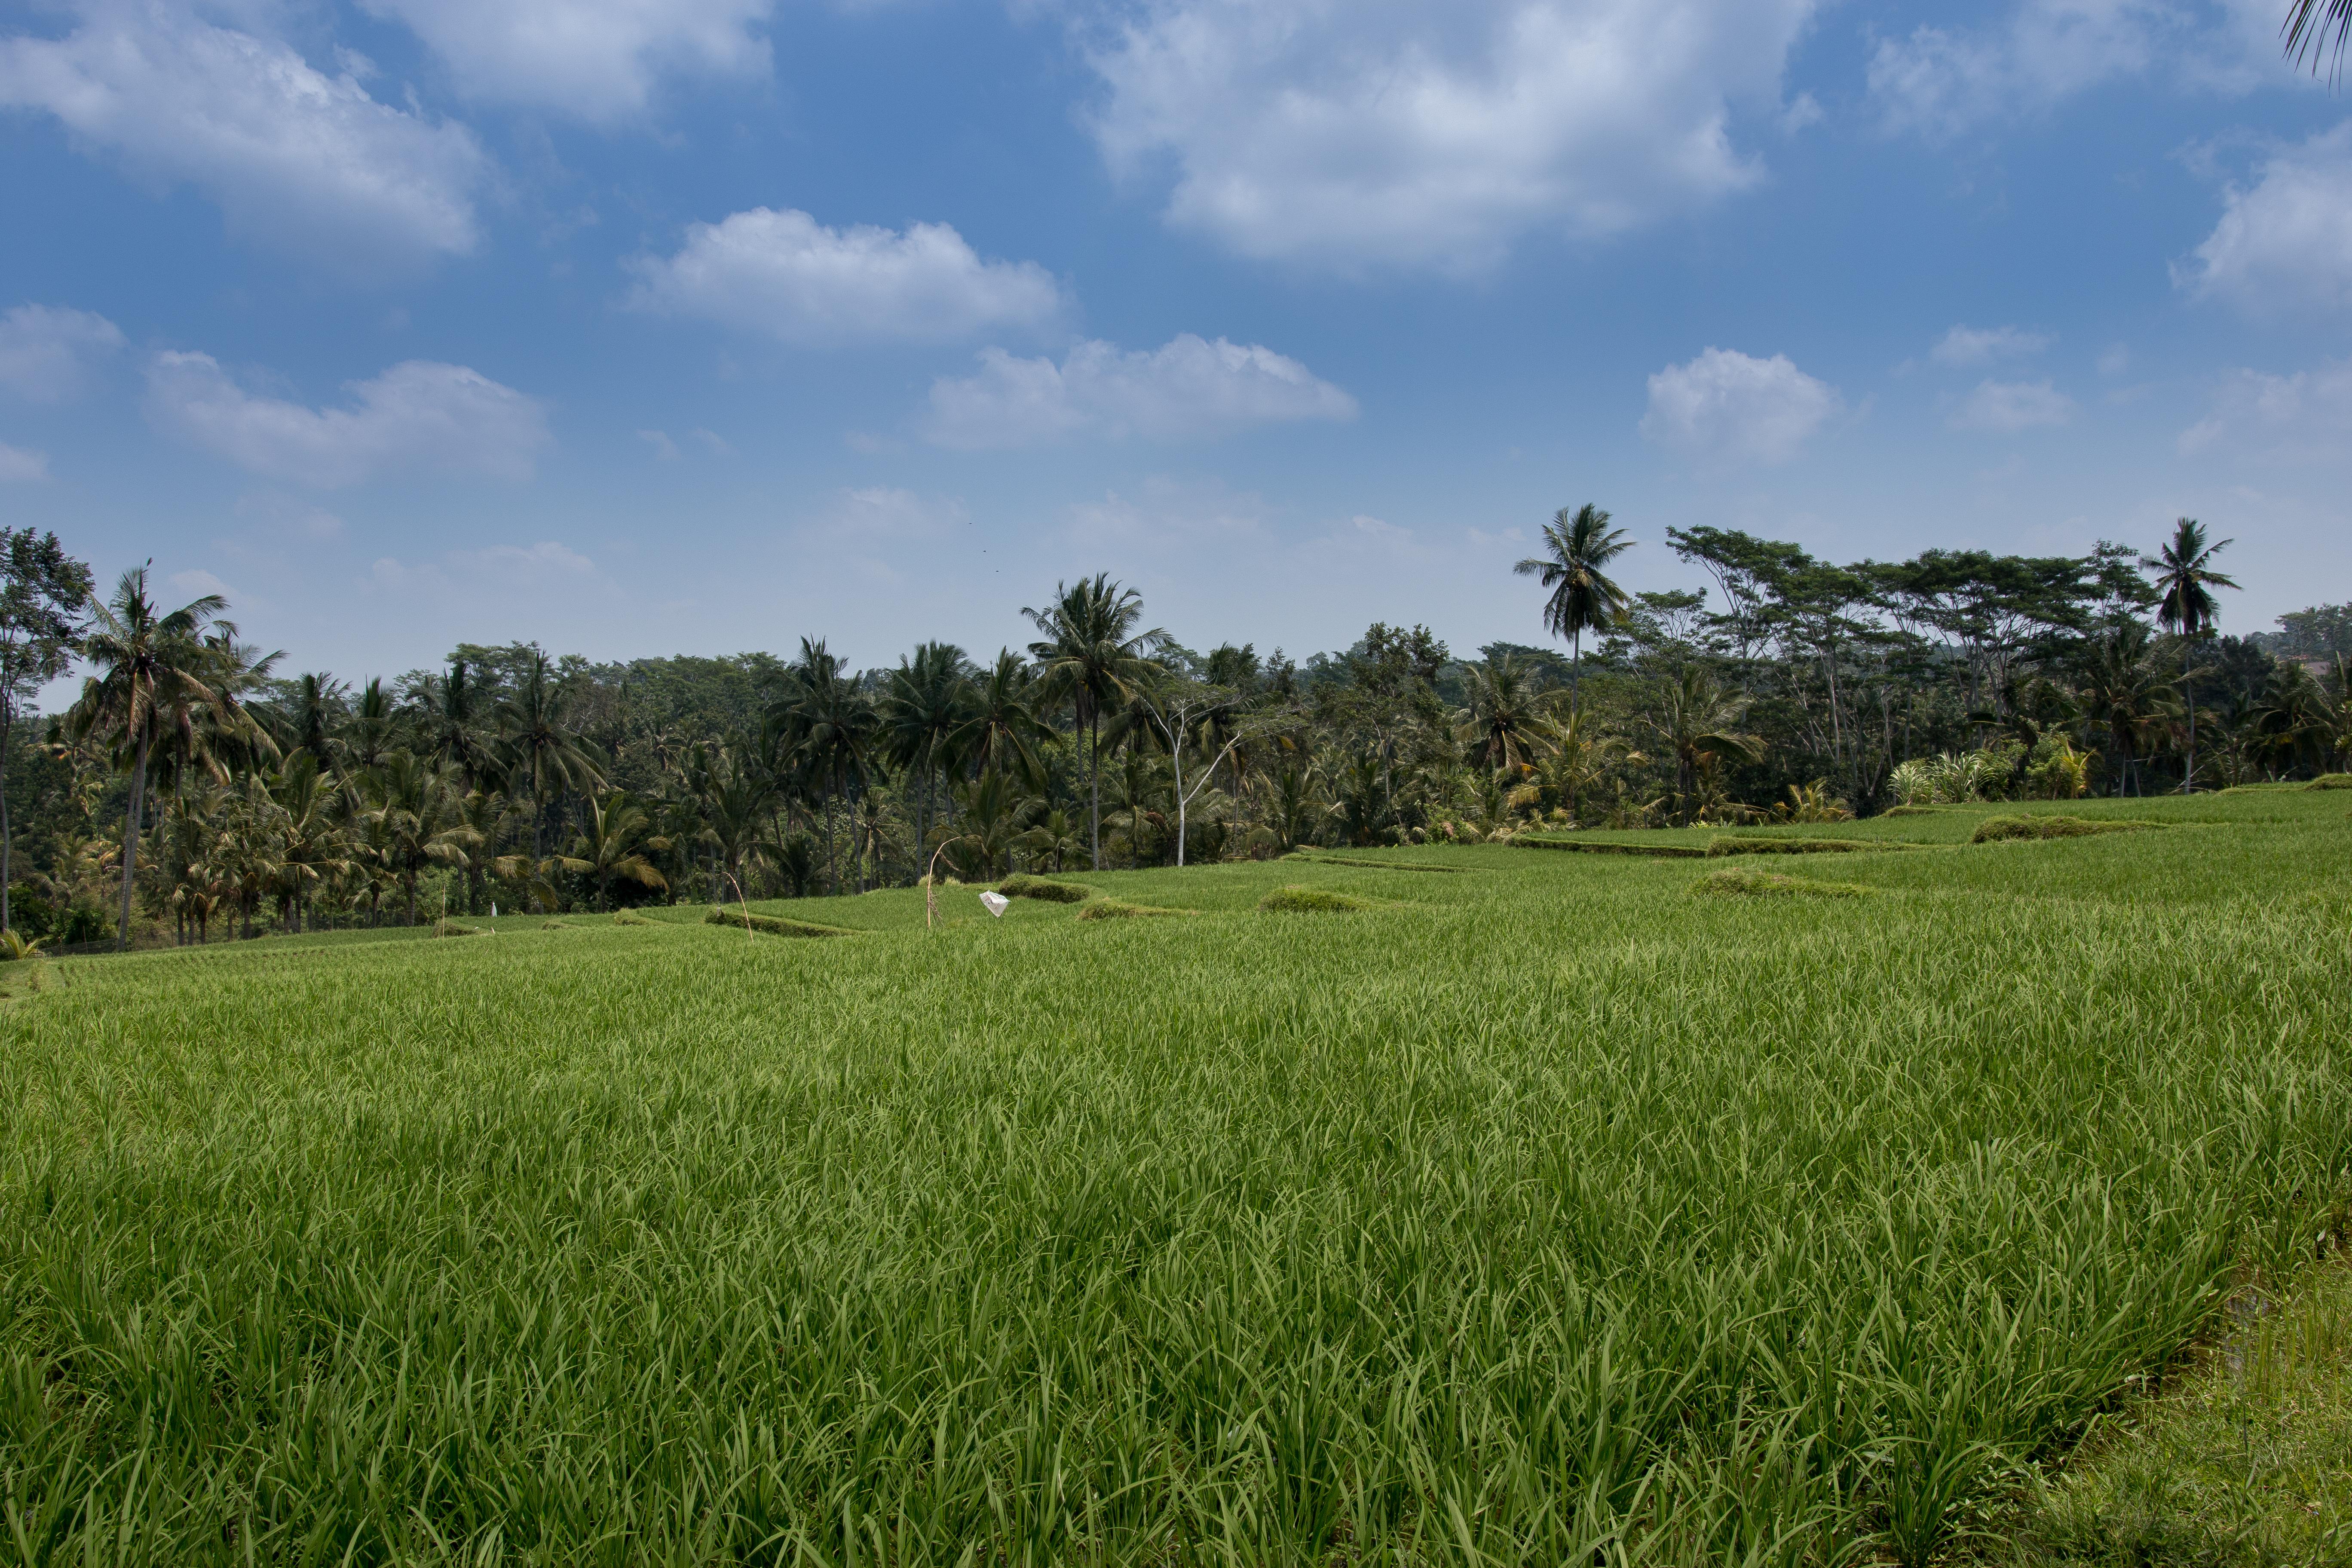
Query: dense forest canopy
x=1779 y=684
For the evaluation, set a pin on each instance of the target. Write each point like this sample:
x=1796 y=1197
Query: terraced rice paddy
x=1527 y=1213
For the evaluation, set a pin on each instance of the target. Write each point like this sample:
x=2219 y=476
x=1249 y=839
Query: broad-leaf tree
x=43 y=592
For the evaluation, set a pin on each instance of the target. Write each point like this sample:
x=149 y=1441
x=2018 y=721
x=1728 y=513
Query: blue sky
x=658 y=326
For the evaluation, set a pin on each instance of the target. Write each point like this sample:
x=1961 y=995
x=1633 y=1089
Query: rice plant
x=1553 y=1215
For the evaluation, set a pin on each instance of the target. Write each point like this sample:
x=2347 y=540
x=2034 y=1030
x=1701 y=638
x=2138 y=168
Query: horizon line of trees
x=192 y=788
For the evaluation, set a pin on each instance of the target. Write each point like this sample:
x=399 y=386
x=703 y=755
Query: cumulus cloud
x=418 y=416
x=1981 y=345
x=598 y=59
x=2006 y=407
x=2303 y=418
x=1939 y=83
x=790 y=276
x=20 y=466
x=1729 y=404
x=2286 y=241
x=1189 y=387
x=48 y=353
x=297 y=160
x=1395 y=133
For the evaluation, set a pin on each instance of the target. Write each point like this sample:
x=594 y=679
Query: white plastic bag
x=995 y=904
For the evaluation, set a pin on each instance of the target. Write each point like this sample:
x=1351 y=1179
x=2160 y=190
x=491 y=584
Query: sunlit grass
x=1542 y=1208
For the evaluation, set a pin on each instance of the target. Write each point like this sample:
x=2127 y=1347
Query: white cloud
x=1938 y=83
x=882 y=512
x=1728 y=404
x=665 y=449
x=1393 y=132
x=2303 y=417
x=20 y=466
x=47 y=353
x=297 y=160
x=598 y=59
x=784 y=274
x=2006 y=407
x=416 y=417
x=1982 y=345
x=2287 y=241
x=1189 y=387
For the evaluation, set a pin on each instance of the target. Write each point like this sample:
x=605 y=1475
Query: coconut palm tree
x=735 y=797
x=1002 y=730
x=1091 y=654
x=925 y=706
x=2123 y=692
x=1294 y=800
x=996 y=815
x=313 y=848
x=1360 y=797
x=1697 y=719
x=612 y=848
x=313 y=714
x=1577 y=545
x=2306 y=25
x=831 y=728
x=488 y=812
x=2185 y=580
x=1055 y=837
x=367 y=732
x=147 y=689
x=453 y=724
x=417 y=818
x=796 y=860
x=1579 y=754
x=1501 y=720
x=1138 y=792
x=541 y=745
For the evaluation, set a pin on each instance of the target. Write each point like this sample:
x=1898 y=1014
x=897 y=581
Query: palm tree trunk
x=1094 y=788
x=1176 y=766
x=2188 y=779
x=130 y=840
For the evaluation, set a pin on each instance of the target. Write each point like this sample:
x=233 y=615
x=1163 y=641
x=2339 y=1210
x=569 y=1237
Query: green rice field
x=1519 y=1206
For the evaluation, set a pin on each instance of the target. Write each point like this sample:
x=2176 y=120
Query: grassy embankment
x=1538 y=1205
x=2236 y=1460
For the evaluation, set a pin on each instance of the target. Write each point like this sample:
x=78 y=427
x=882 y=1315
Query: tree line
x=191 y=789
